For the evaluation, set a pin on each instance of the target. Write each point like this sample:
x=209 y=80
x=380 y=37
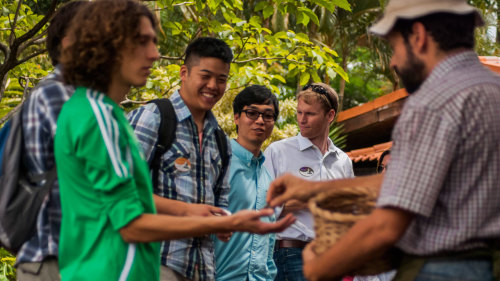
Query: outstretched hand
x=249 y=221
x=288 y=187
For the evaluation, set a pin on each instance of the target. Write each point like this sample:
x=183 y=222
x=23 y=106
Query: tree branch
x=13 y=24
x=266 y=59
x=170 y=58
x=4 y=49
x=36 y=40
x=40 y=24
x=128 y=101
x=18 y=107
x=34 y=54
x=174 y=5
x=10 y=113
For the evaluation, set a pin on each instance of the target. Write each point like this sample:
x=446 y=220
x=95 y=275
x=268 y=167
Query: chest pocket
x=178 y=173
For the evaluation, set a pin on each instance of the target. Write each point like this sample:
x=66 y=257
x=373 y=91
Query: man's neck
x=251 y=147
x=118 y=92
x=321 y=143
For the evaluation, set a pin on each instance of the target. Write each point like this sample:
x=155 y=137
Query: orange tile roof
x=369 y=153
x=371 y=105
x=492 y=62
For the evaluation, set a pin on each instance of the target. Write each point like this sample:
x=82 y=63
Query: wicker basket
x=335 y=212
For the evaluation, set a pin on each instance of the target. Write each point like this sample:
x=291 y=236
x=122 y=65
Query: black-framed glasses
x=267 y=116
x=320 y=90
x=381 y=168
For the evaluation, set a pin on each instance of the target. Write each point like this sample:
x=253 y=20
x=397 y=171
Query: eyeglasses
x=254 y=115
x=320 y=90
x=381 y=168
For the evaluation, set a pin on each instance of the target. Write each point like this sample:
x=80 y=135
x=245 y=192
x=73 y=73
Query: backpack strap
x=222 y=145
x=166 y=134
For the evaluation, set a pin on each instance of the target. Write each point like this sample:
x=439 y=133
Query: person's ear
x=419 y=38
x=184 y=72
x=330 y=116
x=237 y=118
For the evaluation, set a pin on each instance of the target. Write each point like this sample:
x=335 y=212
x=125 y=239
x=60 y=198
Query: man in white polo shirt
x=310 y=155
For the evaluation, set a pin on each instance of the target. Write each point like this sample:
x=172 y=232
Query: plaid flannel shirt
x=197 y=184
x=445 y=163
x=40 y=114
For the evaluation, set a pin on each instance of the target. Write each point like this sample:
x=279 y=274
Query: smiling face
x=203 y=85
x=252 y=133
x=313 y=122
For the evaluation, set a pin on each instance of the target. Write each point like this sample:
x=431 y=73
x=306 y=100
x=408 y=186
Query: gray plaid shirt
x=197 y=184
x=445 y=163
x=40 y=114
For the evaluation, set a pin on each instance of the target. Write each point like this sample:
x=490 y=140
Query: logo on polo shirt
x=306 y=171
x=182 y=164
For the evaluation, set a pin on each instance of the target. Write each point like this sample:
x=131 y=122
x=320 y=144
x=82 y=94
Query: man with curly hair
x=109 y=216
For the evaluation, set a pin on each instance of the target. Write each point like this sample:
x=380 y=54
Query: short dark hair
x=255 y=94
x=381 y=158
x=97 y=35
x=450 y=31
x=58 y=26
x=207 y=47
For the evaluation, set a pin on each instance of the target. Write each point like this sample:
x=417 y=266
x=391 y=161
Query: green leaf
x=261 y=6
x=310 y=15
x=280 y=78
x=315 y=76
x=268 y=11
x=342 y=4
x=304 y=78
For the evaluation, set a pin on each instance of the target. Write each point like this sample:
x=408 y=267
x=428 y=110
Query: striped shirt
x=104 y=185
x=40 y=114
x=445 y=163
x=187 y=174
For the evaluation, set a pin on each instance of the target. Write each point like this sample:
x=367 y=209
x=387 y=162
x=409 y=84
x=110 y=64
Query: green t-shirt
x=104 y=184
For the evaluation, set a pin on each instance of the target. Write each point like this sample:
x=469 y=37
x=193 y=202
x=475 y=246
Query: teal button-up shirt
x=246 y=256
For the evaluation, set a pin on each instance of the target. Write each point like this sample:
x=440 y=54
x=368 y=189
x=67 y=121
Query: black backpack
x=21 y=194
x=166 y=136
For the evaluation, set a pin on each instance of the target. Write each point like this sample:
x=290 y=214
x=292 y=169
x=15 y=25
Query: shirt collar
x=305 y=143
x=461 y=60
x=183 y=112
x=244 y=155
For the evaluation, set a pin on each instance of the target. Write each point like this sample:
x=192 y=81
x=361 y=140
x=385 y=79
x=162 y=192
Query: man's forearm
x=170 y=206
x=150 y=227
x=367 y=239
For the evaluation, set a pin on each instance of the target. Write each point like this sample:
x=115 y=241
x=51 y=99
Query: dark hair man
x=383 y=161
x=249 y=256
x=198 y=186
x=439 y=197
x=37 y=258
x=109 y=215
x=309 y=155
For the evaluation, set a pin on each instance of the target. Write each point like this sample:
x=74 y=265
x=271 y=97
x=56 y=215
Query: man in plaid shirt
x=190 y=180
x=37 y=258
x=439 y=199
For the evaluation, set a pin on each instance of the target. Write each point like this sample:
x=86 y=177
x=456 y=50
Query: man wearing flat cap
x=439 y=200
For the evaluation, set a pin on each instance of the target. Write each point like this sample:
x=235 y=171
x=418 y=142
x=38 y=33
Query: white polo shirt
x=300 y=157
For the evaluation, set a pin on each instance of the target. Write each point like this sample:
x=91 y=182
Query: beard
x=412 y=74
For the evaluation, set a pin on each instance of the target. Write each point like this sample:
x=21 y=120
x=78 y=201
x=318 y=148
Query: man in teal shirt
x=248 y=256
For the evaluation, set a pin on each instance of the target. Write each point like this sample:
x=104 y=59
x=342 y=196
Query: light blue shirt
x=246 y=256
